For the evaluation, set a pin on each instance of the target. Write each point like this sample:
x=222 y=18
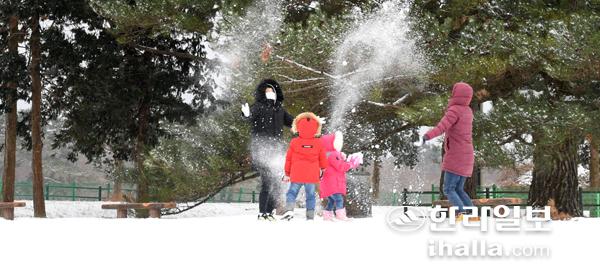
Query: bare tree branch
x=382 y=104
x=169 y=53
x=292 y=80
x=292 y=62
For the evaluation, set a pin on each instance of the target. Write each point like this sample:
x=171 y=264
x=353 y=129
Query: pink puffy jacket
x=334 y=177
x=458 y=126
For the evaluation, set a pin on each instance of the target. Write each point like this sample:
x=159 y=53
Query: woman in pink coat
x=458 y=144
x=333 y=183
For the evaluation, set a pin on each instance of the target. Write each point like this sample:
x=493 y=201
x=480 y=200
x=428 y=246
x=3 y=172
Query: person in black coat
x=268 y=117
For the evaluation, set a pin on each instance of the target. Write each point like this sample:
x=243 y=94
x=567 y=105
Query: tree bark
x=376 y=178
x=555 y=177
x=144 y=113
x=39 y=207
x=10 y=131
x=117 y=194
x=474 y=181
x=594 y=164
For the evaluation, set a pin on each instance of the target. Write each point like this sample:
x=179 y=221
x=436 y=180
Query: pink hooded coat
x=334 y=177
x=458 y=126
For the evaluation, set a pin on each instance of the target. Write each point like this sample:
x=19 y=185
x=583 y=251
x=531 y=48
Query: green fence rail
x=589 y=199
x=67 y=191
x=83 y=192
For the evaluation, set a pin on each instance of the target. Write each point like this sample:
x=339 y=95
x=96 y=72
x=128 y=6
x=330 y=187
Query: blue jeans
x=309 y=189
x=454 y=189
x=335 y=200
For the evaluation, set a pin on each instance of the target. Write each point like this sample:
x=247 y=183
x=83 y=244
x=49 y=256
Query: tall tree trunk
x=555 y=177
x=594 y=164
x=39 y=207
x=474 y=181
x=10 y=131
x=376 y=178
x=144 y=113
x=117 y=194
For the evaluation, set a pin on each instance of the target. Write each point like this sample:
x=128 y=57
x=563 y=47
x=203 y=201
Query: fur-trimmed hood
x=307 y=125
x=259 y=93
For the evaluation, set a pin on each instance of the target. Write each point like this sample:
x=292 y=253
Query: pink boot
x=340 y=214
x=327 y=215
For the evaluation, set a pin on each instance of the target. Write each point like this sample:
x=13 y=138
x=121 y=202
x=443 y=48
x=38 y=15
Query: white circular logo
x=406 y=218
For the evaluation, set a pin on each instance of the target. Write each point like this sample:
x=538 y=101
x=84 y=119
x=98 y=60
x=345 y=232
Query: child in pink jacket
x=333 y=183
x=459 y=157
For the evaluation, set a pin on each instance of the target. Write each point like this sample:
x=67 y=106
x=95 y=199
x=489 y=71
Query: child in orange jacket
x=303 y=163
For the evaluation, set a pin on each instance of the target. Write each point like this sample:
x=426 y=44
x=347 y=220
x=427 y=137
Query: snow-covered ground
x=83 y=209
x=227 y=238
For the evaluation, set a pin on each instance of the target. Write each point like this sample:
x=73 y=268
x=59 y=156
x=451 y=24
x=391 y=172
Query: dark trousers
x=267 y=200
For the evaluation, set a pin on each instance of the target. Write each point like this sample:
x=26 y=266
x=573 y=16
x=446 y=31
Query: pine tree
x=13 y=83
x=503 y=47
x=137 y=60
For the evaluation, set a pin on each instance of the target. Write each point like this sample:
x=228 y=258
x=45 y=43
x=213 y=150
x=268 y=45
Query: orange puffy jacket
x=306 y=155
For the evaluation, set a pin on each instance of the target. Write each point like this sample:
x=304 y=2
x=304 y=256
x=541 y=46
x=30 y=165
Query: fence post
x=487 y=192
x=494 y=191
x=48 y=191
x=73 y=191
x=432 y=193
x=253 y=193
x=404 y=196
x=99 y=193
x=108 y=191
x=240 y=195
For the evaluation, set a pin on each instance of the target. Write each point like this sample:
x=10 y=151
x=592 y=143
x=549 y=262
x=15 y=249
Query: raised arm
x=446 y=123
x=339 y=164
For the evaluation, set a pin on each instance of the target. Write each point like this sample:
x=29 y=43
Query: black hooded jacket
x=267 y=116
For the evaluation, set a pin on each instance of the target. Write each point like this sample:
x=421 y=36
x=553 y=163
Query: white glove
x=246 y=110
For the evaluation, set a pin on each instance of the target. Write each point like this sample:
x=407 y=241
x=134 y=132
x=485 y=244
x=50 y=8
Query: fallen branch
x=382 y=105
x=401 y=100
x=204 y=199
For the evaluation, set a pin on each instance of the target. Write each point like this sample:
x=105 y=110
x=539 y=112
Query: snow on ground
x=80 y=209
x=227 y=238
